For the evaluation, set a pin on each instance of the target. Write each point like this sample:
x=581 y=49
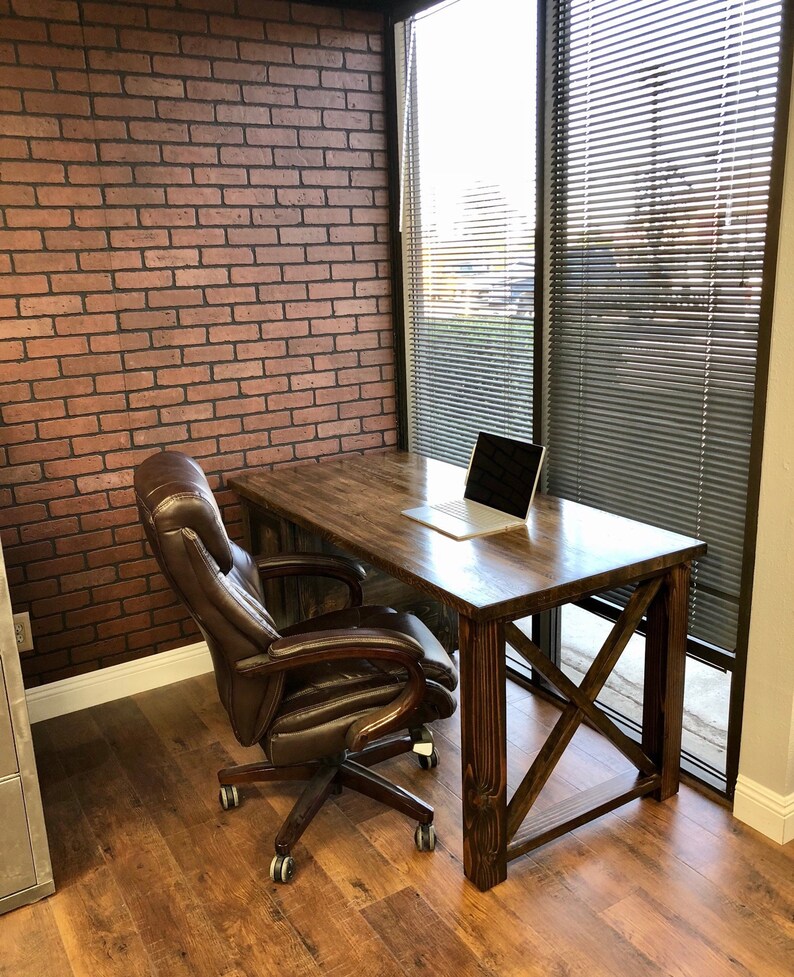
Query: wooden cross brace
x=581 y=704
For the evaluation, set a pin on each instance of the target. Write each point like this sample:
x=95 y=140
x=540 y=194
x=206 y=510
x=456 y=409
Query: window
x=657 y=129
x=468 y=159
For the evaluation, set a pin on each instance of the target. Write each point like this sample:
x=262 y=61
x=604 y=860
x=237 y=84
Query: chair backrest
x=216 y=580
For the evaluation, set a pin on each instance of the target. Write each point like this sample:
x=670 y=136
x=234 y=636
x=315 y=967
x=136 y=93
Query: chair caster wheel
x=425 y=837
x=228 y=797
x=282 y=868
x=428 y=762
x=422 y=741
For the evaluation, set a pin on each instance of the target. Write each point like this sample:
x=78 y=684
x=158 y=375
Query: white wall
x=765 y=789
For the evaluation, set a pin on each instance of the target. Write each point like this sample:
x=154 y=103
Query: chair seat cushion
x=437 y=664
x=321 y=702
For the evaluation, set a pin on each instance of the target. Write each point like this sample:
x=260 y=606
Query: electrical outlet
x=22 y=632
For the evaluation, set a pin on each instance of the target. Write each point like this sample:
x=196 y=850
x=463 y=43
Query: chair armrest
x=315 y=565
x=374 y=644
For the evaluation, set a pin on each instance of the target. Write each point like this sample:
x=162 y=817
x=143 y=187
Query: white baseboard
x=106 y=684
x=765 y=810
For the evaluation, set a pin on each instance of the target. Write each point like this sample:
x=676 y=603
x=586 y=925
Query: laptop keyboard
x=482 y=516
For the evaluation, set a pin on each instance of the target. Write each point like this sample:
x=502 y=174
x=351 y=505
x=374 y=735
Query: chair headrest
x=173 y=494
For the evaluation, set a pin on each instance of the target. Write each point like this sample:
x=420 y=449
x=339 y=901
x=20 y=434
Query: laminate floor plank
x=706 y=914
x=576 y=928
x=175 y=932
x=339 y=937
x=150 y=768
x=98 y=933
x=593 y=879
x=334 y=932
x=357 y=868
x=235 y=893
x=331 y=933
x=501 y=942
x=30 y=944
x=740 y=872
x=420 y=939
x=174 y=926
x=155 y=880
x=115 y=813
x=74 y=850
x=177 y=722
x=657 y=934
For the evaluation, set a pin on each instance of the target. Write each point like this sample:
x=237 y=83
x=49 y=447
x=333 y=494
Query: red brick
x=106 y=217
x=31 y=172
x=93 y=129
x=143 y=279
x=148 y=41
x=119 y=61
x=16 y=195
x=156 y=87
x=50 y=305
x=129 y=420
x=82 y=282
x=190 y=154
x=159 y=131
x=125 y=107
x=213 y=91
x=85 y=324
x=89 y=82
x=189 y=67
x=201 y=276
x=204 y=315
x=57 y=103
x=163 y=174
x=167 y=216
x=22 y=30
x=171 y=258
x=267 y=273
x=75 y=240
x=179 y=21
x=72 y=466
x=186 y=412
x=321 y=57
x=66 y=428
x=176 y=297
x=23 y=285
x=100 y=175
x=44 y=491
x=186 y=111
x=12 y=76
x=63 y=150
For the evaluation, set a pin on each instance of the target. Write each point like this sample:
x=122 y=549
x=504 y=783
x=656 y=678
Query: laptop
x=500 y=483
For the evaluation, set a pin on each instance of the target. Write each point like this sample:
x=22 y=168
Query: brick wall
x=193 y=253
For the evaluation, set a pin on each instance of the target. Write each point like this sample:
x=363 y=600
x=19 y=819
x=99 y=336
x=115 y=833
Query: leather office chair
x=325 y=699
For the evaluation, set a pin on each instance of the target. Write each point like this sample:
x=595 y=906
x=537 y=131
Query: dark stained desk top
x=565 y=552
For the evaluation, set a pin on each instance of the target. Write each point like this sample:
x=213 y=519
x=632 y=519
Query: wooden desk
x=566 y=552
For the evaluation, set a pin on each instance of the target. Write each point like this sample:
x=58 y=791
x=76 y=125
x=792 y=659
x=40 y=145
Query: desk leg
x=248 y=532
x=665 y=659
x=483 y=751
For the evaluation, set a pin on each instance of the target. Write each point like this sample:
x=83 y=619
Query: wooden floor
x=153 y=878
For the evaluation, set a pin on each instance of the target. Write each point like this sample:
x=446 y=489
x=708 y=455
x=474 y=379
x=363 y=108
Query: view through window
x=469 y=223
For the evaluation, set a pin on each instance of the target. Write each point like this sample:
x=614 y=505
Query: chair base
x=330 y=776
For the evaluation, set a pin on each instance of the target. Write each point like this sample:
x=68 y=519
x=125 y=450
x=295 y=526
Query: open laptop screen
x=503 y=473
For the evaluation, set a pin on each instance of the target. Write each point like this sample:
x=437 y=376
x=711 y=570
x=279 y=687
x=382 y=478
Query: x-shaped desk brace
x=523 y=836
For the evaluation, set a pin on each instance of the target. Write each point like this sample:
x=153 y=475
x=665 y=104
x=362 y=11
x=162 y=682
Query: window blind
x=468 y=223
x=661 y=124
